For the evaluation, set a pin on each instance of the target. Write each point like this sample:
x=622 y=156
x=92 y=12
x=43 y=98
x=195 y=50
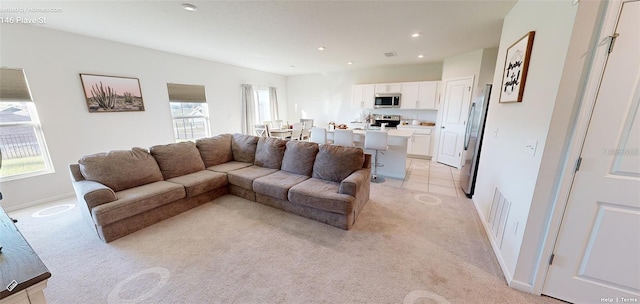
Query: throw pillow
x=299 y=157
x=215 y=150
x=177 y=159
x=335 y=163
x=269 y=152
x=121 y=169
x=244 y=147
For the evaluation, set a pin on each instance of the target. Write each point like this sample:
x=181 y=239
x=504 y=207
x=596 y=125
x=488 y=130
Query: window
x=262 y=105
x=189 y=112
x=24 y=151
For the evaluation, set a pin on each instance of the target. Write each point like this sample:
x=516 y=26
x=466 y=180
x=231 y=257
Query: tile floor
x=429 y=176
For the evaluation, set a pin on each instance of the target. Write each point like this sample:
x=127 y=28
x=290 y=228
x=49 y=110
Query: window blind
x=13 y=85
x=186 y=93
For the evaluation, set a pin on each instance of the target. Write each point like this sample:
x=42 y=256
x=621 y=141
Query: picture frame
x=516 y=65
x=111 y=93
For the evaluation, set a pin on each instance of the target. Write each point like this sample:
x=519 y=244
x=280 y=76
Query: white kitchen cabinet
x=362 y=96
x=388 y=88
x=419 y=95
x=420 y=141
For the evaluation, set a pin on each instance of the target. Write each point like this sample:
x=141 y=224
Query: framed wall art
x=112 y=93
x=516 y=64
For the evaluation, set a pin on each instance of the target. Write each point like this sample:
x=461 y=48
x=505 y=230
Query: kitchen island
x=394 y=160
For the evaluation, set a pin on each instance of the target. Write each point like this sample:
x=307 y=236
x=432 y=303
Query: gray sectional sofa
x=126 y=190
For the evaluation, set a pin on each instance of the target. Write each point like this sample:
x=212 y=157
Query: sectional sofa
x=126 y=190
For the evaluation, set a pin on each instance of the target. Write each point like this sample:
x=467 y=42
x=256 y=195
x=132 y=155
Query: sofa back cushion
x=335 y=163
x=299 y=157
x=215 y=150
x=177 y=159
x=269 y=152
x=121 y=169
x=244 y=147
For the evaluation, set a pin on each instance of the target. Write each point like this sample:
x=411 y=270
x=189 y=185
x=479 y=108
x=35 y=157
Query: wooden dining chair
x=296 y=132
x=262 y=130
x=306 y=123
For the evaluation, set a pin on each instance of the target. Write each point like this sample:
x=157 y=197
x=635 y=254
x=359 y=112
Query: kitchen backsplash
x=421 y=115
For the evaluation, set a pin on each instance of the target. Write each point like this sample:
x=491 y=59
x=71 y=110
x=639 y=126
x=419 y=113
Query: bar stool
x=376 y=140
x=318 y=135
x=343 y=137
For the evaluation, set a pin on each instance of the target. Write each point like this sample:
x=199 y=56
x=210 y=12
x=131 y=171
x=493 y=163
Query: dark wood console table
x=19 y=263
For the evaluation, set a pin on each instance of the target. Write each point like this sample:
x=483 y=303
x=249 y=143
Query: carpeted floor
x=407 y=247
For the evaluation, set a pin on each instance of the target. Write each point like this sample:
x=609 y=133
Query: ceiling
x=283 y=37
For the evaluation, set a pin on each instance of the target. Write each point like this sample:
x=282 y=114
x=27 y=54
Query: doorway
x=455 y=110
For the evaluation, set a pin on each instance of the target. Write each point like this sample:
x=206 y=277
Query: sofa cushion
x=244 y=147
x=269 y=152
x=244 y=177
x=321 y=194
x=277 y=185
x=335 y=163
x=200 y=182
x=299 y=157
x=177 y=159
x=120 y=170
x=230 y=166
x=215 y=150
x=138 y=200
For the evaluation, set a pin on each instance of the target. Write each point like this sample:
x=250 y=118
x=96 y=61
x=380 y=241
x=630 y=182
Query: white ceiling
x=283 y=37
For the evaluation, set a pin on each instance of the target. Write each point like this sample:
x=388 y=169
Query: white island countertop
x=394 y=159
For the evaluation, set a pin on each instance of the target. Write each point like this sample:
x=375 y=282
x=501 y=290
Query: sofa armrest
x=354 y=182
x=93 y=193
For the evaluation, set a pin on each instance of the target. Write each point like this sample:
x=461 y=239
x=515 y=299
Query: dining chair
x=277 y=124
x=318 y=135
x=343 y=137
x=305 y=134
x=262 y=130
x=306 y=123
x=296 y=132
x=376 y=140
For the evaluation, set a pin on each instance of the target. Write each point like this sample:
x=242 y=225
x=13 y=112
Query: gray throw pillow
x=299 y=157
x=335 y=163
x=215 y=150
x=121 y=169
x=177 y=159
x=269 y=152
x=244 y=147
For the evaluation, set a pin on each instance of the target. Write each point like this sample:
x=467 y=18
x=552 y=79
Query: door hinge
x=551 y=259
x=469 y=88
x=578 y=163
x=459 y=154
x=612 y=42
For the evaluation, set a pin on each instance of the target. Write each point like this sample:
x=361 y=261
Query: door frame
x=597 y=63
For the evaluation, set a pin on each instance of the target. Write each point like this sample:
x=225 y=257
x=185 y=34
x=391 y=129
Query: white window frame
x=262 y=104
x=37 y=127
x=205 y=116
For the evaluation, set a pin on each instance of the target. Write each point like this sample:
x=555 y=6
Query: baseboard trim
x=494 y=244
x=522 y=286
x=38 y=202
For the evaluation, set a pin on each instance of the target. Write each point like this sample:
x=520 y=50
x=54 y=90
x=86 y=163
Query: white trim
x=522 y=286
x=494 y=245
x=587 y=103
x=39 y=202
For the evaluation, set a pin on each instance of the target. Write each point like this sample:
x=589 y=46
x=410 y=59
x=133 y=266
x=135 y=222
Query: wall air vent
x=498 y=215
x=391 y=54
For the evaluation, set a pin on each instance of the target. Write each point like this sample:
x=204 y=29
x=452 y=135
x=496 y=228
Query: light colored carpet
x=407 y=247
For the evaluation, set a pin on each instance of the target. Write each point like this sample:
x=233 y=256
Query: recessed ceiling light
x=321 y=48
x=414 y=35
x=189 y=7
x=420 y=56
x=350 y=62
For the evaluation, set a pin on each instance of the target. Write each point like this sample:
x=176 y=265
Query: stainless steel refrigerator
x=473 y=141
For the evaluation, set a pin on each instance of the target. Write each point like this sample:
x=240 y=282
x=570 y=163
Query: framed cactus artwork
x=112 y=93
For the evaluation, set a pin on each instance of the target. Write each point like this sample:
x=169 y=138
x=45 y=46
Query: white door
x=597 y=252
x=457 y=97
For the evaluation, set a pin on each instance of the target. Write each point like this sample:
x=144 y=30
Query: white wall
x=504 y=164
x=327 y=97
x=52 y=61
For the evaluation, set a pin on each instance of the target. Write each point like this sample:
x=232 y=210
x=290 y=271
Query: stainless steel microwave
x=387 y=101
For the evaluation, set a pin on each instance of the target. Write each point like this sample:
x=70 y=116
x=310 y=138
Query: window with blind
x=189 y=112
x=24 y=150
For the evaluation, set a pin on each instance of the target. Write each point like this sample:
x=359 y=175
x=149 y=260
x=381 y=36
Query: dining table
x=280 y=133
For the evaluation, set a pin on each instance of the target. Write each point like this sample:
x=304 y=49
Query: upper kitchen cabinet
x=362 y=96
x=388 y=88
x=419 y=95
